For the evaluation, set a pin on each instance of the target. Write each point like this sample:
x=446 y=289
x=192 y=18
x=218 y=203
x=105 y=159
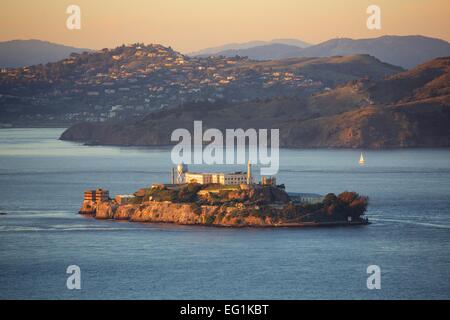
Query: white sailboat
x=361 y=160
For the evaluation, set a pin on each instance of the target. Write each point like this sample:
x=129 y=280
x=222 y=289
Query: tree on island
x=347 y=203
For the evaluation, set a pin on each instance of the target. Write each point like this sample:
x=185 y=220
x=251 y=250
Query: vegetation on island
x=258 y=201
x=183 y=194
x=231 y=205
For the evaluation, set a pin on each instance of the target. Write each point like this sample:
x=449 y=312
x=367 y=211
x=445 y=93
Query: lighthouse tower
x=249 y=173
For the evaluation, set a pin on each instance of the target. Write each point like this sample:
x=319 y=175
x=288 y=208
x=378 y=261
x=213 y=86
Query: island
x=227 y=200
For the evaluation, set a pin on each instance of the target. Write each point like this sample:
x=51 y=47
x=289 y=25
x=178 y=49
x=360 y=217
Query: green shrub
x=186 y=193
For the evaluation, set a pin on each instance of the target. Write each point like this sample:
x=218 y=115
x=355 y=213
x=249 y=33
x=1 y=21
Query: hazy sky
x=189 y=25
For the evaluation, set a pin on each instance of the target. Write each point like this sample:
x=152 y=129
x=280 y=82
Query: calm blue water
x=41 y=185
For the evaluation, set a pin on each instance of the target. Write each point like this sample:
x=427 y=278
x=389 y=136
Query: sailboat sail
x=361 y=160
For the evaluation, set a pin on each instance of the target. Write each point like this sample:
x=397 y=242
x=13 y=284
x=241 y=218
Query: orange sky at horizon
x=189 y=25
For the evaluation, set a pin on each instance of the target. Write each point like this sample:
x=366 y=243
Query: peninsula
x=226 y=200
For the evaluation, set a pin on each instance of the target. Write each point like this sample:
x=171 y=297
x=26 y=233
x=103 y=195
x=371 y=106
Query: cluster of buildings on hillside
x=182 y=176
x=142 y=79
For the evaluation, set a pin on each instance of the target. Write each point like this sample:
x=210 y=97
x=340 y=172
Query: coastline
x=330 y=224
x=90 y=143
x=241 y=214
x=166 y=146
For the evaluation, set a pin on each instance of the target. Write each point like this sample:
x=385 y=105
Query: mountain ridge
x=20 y=53
x=273 y=51
x=404 y=51
x=247 y=45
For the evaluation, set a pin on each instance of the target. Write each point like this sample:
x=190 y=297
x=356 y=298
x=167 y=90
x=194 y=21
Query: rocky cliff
x=334 y=210
x=179 y=213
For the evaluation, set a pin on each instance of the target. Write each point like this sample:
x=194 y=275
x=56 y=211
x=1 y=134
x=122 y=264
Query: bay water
x=42 y=181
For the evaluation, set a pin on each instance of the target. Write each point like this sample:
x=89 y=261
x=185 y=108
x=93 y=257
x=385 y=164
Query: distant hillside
x=426 y=81
x=266 y=52
x=404 y=51
x=362 y=113
x=133 y=80
x=333 y=70
x=247 y=45
x=19 y=53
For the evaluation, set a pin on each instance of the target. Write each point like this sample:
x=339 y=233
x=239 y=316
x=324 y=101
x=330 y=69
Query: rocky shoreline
x=260 y=216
